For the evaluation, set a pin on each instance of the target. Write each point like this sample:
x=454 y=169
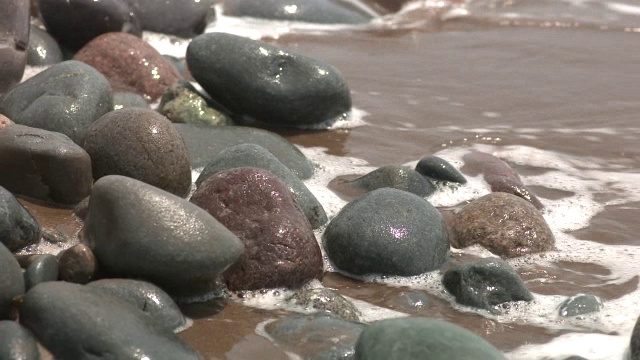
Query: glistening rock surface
x=18 y=228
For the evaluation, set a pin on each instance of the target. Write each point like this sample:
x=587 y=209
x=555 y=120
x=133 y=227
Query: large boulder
x=18 y=228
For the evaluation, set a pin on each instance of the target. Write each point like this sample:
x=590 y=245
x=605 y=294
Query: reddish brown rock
x=504 y=224
x=4 y=121
x=77 y=264
x=130 y=64
x=280 y=247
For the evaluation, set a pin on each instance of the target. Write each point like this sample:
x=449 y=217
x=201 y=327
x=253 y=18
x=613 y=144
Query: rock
x=141 y=144
x=389 y=232
x=125 y=99
x=138 y=231
x=77 y=264
x=397 y=177
x=313 y=11
x=410 y=301
x=326 y=300
x=65 y=98
x=260 y=82
x=205 y=142
x=78 y=322
x=280 y=249
x=183 y=104
x=44 y=165
x=54 y=236
x=185 y=18
x=422 y=338
x=11 y=282
x=42 y=268
x=17 y=343
x=4 y=121
x=504 y=224
x=14 y=40
x=147 y=297
x=250 y=155
x=75 y=23
x=634 y=346
x=130 y=64
x=43 y=49
x=439 y=169
x=80 y=210
x=18 y=229
x=485 y=283
x=579 y=305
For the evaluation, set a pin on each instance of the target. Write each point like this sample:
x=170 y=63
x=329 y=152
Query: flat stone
x=183 y=104
x=43 y=49
x=11 y=281
x=18 y=229
x=77 y=264
x=14 y=40
x=126 y=99
x=313 y=11
x=17 y=342
x=397 y=177
x=439 y=169
x=42 y=268
x=579 y=305
x=185 y=18
x=326 y=300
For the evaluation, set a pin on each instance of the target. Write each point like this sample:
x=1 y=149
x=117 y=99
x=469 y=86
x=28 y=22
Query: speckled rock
x=326 y=300
x=14 y=40
x=183 y=104
x=141 y=144
x=77 y=264
x=579 y=305
x=397 y=177
x=185 y=18
x=256 y=81
x=4 y=121
x=17 y=342
x=313 y=11
x=130 y=64
x=504 y=224
x=18 y=228
x=42 y=268
x=126 y=99
x=43 y=49
x=438 y=168
x=11 y=281
x=280 y=249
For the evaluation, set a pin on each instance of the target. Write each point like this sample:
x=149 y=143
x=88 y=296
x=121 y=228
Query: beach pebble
x=141 y=144
x=280 y=249
x=205 y=142
x=43 y=49
x=251 y=155
x=139 y=231
x=389 y=232
x=44 y=165
x=410 y=301
x=130 y=64
x=11 y=281
x=185 y=18
x=18 y=229
x=634 y=346
x=4 y=121
x=127 y=99
x=485 y=283
x=579 y=305
x=313 y=11
x=147 y=297
x=77 y=264
x=260 y=82
x=17 y=342
x=326 y=300
x=78 y=322
x=422 y=338
x=397 y=177
x=42 y=268
x=439 y=169
x=14 y=40
x=65 y=98
x=504 y=224
x=183 y=104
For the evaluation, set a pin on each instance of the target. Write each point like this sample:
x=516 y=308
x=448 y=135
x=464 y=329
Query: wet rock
x=77 y=264
x=504 y=224
x=280 y=249
x=397 y=177
x=75 y=23
x=17 y=343
x=326 y=300
x=579 y=305
x=4 y=121
x=78 y=322
x=130 y=64
x=147 y=297
x=422 y=338
x=44 y=165
x=313 y=11
x=485 y=283
x=54 y=236
x=185 y=18
x=18 y=229
x=410 y=301
x=387 y=231
x=138 y=231
x=183 y=104
x=634 y=346
x=205 y=142
x=250 y=155
x=125 y=99
x=80 y=210
x=260 y=82
x=439 y=169
x=141 y=144
x=43 y=49
x=65 y=98
x=14 y=40
x=42 y=268
x=11 y=281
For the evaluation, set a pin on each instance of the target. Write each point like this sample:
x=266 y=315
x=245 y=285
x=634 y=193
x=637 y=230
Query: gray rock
x=327 y=300
x=250 y=155
x=183 y=104
x=42 y=268
x=11 y=281
x=14 y=40
x=313 y=11
x=43 y=49
x=44 y=165
x=125 y=99
x=138 y=231
x=439 y=169
x=65 y=98
x=77 y=264
x=634 y=344
x=485 y=283
x=185 y=18
x=78 y=322
x=397 y=177
x=579 y=305
x=387 y=231
x=259 y=82
x=17 y=343
x=18 y=229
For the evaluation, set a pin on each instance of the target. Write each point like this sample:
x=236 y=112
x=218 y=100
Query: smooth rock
x=43 y=49
x=397 y=177
x=504 y=224
x=44 y=165
x=5 y=121
x=65 y=98
x=313 y=11
x=634 y=345
x=579 y=305
x=139 y=231
x=11 y=281
x=259 y=82
x=185 y=18
x=18 y=228
x=141 y=144
x=54 y=236
x=389 y=232
x=17 y=342
x=280 y=249
x=14 y=40
x=77 y=264
x=126 y=99
x=183 y=104
x=410 y=301
x=326 y=300
x=251 y=155
x=42 y=268
x=485 y=283
x=439 y=169
x=422 y=338
x=130 y=64
x=78 y=322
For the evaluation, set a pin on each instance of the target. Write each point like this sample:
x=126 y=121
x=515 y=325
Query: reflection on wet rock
x=77 y=264
x=43 y=49
x=313 y=11
x=439 y=169
x=183 y=104
x=17 y=342
x=18 y=228
x=11 y=281
x=579 y=305
x=326 y=300
x=14 y=39
x=42 y=268
x=397 y=177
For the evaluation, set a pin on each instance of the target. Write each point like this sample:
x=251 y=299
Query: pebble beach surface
x=202 y=180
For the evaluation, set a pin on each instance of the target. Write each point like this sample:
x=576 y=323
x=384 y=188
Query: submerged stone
x=579 y=305
x=326 y=300
x=18 y=228
x=397 y=177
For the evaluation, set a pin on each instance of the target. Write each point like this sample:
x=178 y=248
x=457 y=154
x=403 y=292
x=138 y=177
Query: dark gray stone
x=139 y=231
x=634 y=345
x=579 y=305
x=44 y=165
x=77 y=264
x=65 y=98
x=17 y=342
x=439 y=169
x=11 y=281
x=77 y=322
x=125 y=99
x=397 y=177
x=41 y=269
x=183 y=104
x=313 y=11
x=250 y=155
x=387 y=231
x=485 y=283
x=43 y=49
x=14 y=40
x=185 y=18
x=18 y=229
x=327 y=300
x=259 y=82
